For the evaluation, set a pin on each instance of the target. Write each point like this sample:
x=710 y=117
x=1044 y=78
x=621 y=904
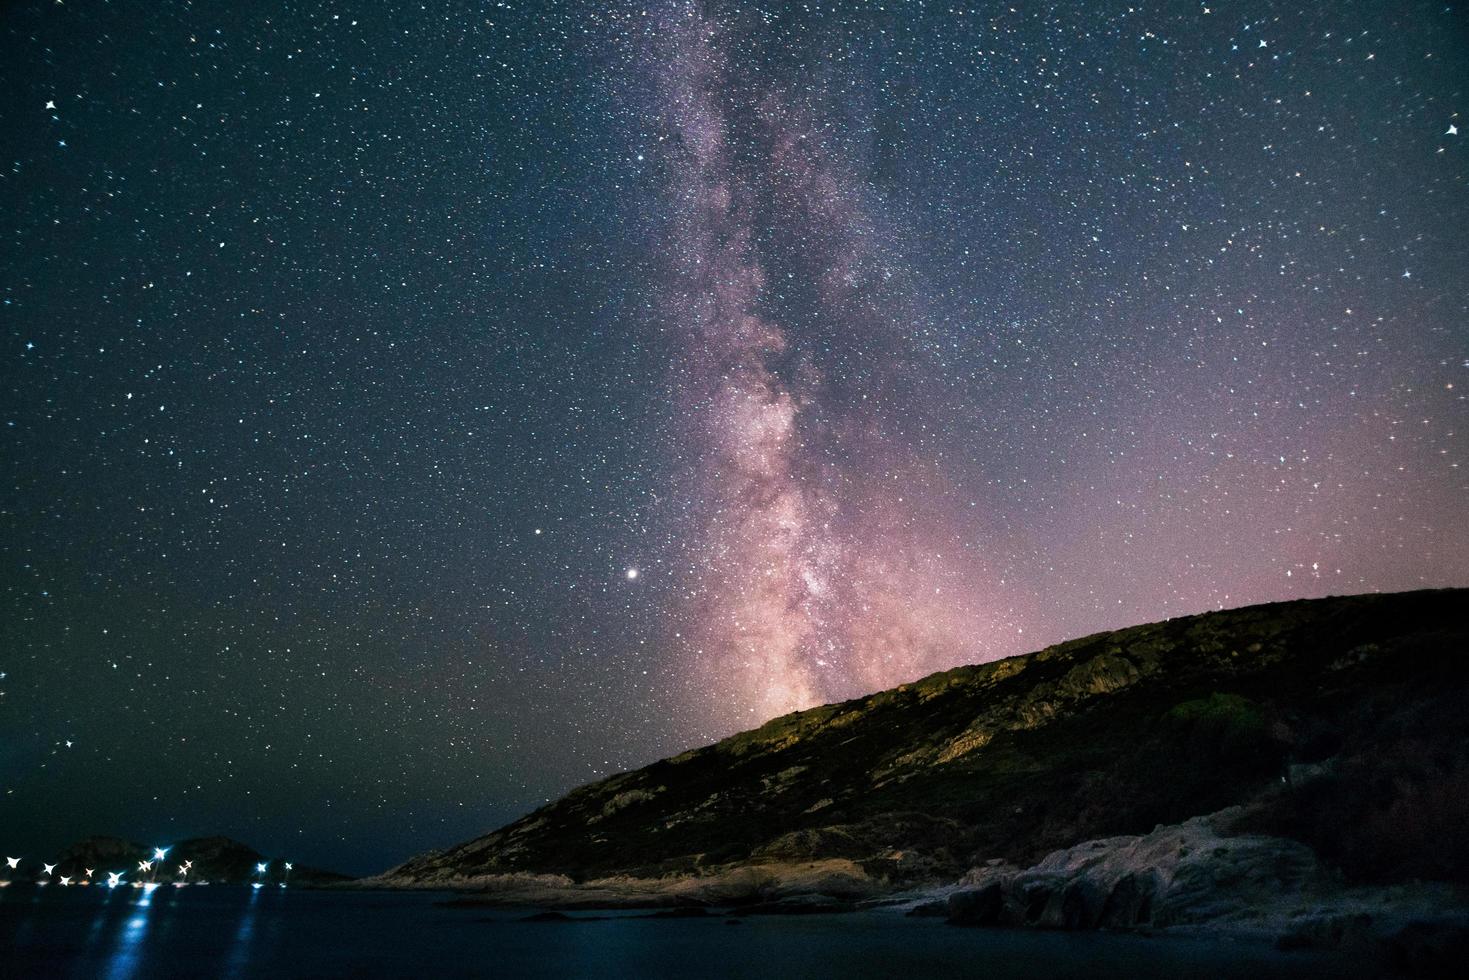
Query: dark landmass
x=218 y=860
x=1290 y=767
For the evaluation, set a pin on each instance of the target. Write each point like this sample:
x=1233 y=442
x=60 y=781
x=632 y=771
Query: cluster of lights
x=149 y=868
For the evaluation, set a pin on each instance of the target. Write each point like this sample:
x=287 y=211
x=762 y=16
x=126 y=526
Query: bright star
x=1453 y=130
x=632 y=573
x=13 y=862
x=260 y=868
x=48 y=868
x=50 y=104
x=159 y=853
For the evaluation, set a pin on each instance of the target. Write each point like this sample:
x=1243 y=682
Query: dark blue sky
x=353 y=358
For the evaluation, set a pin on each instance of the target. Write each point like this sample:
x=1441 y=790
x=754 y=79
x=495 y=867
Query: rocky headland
x=1296 y=771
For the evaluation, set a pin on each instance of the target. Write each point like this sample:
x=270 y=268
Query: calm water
x=233 y=931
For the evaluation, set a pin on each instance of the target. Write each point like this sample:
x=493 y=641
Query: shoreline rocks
x=1196 y=879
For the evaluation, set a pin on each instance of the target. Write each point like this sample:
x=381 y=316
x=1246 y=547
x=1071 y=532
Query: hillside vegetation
x=1340 y=722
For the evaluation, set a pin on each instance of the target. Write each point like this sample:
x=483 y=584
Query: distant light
x=632 y=573
x=256 y=884
x=159 y=853
x=260 y=868
x=13 y=862
x=49 y=868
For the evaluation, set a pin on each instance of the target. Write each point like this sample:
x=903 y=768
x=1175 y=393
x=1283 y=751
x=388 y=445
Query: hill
x=1339 y=725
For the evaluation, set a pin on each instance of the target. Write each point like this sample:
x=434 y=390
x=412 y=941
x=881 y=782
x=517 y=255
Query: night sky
x=411 y=414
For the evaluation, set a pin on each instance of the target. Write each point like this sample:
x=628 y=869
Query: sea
x=238 y=931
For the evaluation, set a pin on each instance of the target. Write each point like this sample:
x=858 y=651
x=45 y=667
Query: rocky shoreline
x=1199 y=877
x=1303 y=767
x=1196 y=878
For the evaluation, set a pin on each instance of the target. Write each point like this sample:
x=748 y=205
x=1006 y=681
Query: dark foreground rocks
x=1199 y=877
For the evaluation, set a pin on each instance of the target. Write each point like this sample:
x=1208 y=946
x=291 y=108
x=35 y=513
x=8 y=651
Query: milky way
x=411 y=412
x=822 y=569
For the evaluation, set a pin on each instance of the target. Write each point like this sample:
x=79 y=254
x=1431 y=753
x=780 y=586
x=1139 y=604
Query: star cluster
x=411 y=412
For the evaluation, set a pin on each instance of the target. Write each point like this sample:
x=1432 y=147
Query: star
x=47 y=868
x=13 y=862
x=1452 y=131
x=145 y=865
x=68 y=743
x=65 y=880
x=90 y=872
x=632 y=573
x=50 y=104
x=1407 y=274
x=159 y=853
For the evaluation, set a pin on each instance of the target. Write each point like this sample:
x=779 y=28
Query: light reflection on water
x=235 y=931
x=239 y=954
x=127 y=950
x=126 y=957
x=99 y=921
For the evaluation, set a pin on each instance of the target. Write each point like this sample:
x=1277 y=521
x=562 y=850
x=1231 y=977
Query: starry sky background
x=355 y=357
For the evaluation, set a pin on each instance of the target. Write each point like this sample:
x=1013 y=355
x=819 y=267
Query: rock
x=978 y=907
x=1031 y=898
x=1077 y=906
x=1327 y=932
x=1130 y=902
x=1177 y=874
x=1430 y=949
